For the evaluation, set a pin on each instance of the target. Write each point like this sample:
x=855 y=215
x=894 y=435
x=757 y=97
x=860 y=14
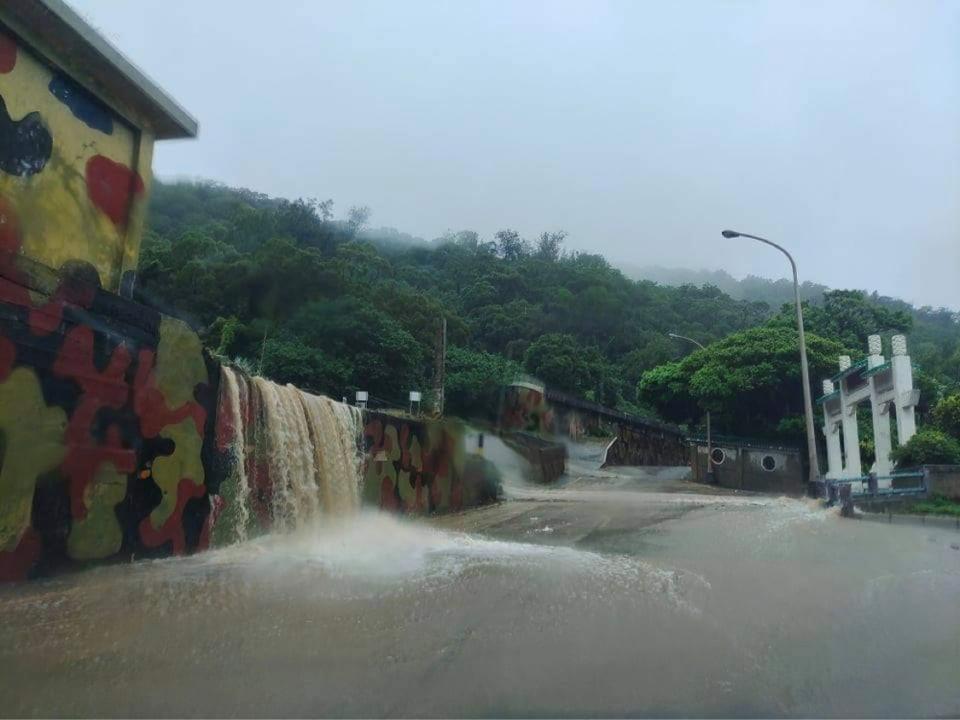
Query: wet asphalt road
x=618 y=593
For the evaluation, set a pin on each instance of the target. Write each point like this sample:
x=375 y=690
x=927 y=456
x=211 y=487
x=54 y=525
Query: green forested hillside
x=332 y=306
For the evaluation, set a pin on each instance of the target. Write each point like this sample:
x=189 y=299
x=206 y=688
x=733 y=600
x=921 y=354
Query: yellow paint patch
x=57 y=220
x=99 y=534
x=33 y=436
x=168 y=470
x=179 y=367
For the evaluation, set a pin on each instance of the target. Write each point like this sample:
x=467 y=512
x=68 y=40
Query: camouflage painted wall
x=525 y=409
x=73 y=174
x=421 y=466
x=106 y=418
x=115 y=438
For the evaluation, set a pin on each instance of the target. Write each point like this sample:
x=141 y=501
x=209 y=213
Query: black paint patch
x=84 y=106
x=25 y=145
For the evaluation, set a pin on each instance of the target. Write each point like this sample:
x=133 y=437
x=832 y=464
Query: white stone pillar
x=851 y=435
x=905 y=396
x=881 y=440
x=831 y=432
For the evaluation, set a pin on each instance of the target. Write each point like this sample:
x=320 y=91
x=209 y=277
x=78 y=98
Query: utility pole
x=709 y=443
x=812 y=459
x=439 y=370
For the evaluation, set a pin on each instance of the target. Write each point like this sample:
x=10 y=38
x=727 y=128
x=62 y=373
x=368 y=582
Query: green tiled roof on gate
x=850 y=370
x=878 y=369
x=828 y=396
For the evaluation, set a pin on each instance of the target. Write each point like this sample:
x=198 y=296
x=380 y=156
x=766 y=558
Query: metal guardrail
x=869 y=486
x=754 y=443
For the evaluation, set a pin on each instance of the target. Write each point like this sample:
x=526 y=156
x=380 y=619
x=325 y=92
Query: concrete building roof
x=57 y=31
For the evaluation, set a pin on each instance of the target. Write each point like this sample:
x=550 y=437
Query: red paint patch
x=16 y=564
x=8 y=53
x=111 y=187
x=420 y=502
x=8 y=353
x=373 y=430
x=107 y=389
x=172 y=529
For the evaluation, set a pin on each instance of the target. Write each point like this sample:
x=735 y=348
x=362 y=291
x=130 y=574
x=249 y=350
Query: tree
x=550 y=245
x=357 y=218
x=560 y=362
x=382 y=357
x=290 y=361
x=241 y=266
x=474 y=381
x=946 y=415
x=653 y=350
x=510 y=245
x=849 y=317
x=750 y=381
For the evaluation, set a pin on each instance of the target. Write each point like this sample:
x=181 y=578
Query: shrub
x=946 y=415
x=928 y=446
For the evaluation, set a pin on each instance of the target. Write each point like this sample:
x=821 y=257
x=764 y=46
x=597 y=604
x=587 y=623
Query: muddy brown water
x=619 y=593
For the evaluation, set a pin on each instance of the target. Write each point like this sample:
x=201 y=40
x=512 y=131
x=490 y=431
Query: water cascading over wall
x=294 y=458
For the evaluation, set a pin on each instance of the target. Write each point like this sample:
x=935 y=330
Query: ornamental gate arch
x=887 y=385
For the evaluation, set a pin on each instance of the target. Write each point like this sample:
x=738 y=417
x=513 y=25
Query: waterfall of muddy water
x=307 y=444
x=231 y=402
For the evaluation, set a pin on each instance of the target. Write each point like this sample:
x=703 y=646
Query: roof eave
x=59 y=31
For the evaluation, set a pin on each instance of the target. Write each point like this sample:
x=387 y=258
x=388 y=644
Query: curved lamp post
x=804 y=369
x=709 y=447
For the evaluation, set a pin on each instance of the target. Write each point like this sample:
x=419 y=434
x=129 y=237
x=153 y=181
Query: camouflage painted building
x=95 y=392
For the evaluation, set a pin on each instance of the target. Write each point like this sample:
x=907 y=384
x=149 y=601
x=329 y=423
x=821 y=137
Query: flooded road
x=630 y=593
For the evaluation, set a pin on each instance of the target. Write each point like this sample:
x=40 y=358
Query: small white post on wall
x=415 y=398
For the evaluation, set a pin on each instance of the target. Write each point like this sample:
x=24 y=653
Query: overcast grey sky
x=641 y=128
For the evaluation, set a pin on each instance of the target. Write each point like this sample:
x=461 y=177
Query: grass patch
x=937 y=505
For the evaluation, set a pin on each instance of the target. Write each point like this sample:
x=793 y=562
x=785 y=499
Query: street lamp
x=804 y=369
x=709 y=447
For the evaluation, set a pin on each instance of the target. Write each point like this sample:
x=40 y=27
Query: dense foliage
x=334 y=306
x=749 y=380
x=946 y=415
x=928 y=446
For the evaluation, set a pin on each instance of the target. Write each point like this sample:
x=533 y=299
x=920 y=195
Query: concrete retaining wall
x=111 y=435
x=751 y=467
x=646 y=446
x=422 y=466
x=943 y=480
x=547 y=460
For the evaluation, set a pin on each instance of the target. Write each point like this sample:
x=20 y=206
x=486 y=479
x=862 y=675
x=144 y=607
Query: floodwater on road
x=620 y=593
